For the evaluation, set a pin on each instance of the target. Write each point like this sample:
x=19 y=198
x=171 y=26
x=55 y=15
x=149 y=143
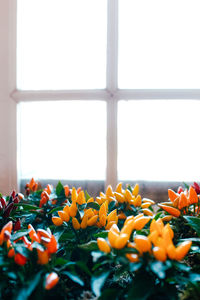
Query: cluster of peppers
x=158 y=243
x=99 y=217
x=183 y=202
x=48 y=244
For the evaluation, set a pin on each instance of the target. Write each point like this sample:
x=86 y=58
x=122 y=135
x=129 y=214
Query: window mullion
x=112 y=85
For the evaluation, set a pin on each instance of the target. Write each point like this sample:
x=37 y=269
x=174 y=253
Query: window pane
x=61 y=44
x=62 y=140
x=158 y=140
x=159 y=44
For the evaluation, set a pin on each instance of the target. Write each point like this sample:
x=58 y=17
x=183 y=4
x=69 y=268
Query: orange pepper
x=183 y=202
x=193 y=198
x=51 y=280
x=76 y=224
x=139 y=223
x=159 y=253
x=64 y=215
x=92 y=221
x=66 y=189
x=172 y=195
x=171 y=210
x=121 y=241
x=57 y=221
x=182 y=250
x=103 y=245
x=20 y=259
x=84 y=222
x=143 y=244
x=43 y=257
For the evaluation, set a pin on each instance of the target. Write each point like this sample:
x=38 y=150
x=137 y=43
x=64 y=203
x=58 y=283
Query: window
x=123 y=75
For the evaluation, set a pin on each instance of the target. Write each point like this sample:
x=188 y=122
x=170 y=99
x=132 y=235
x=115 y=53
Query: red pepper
x=51 y=280
x=8 y=210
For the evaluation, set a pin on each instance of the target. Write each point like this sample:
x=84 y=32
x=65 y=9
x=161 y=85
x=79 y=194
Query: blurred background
x=93 y=92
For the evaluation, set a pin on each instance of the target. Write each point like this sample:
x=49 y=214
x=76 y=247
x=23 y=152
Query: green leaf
x=98 y=281
x=27 y=206
x=158 y=268
x=194 y=222
x=74 y=277
x=129 y=188
x=186 y=186
x=194 y=277
x=135 y=266
x=181 y=266
x=102 y=234
x=141 y=287
x=195 y=240
x=55 y=209
x=93 y=205
x=28 y=288
x=109 y=294
x=19 y=234
x=157 y=216
x=60 y=189
x=87 y=196
x=111 y=205
x=90 y=246
x=60 y=261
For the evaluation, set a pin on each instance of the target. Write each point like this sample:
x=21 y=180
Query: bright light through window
x=159 y=44
x=158 y=140
x=61 y=44
x=63 y=140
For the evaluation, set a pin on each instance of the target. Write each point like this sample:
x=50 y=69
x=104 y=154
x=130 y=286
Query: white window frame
x=10 y=96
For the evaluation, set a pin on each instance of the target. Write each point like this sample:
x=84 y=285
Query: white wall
x=8 y=178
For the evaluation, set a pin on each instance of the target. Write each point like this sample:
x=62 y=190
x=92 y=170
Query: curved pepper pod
x=171 y=210
x=20 y=259
x=172 y=195
x=84 y=222
x=121 y=241
x=64 y=215
x=183 y=202
x=119 y=188
x=112 y=216
x=139 y=223
x=142 y=243
x=43 y=257
x=76 y=224
x=109 y=191
x=103 y=245
x=193 y=198
x=57 y=221
x=73 y=209
x=147 y=212
x=182 y=250
x=113 y=234
x=159 y=253
x=92 y=221
x=135 y=190
x=132 y=257
x=81 y=198
x=51 y=280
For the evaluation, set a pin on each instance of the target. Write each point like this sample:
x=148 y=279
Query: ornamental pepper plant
x=63 y=242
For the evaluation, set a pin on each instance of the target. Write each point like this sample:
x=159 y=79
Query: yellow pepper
x=76 y=224
x=159 y=253
x=103 y=245
x=84 y=222
x=142 y=243
x=182 y=250
x=139 y=223
x=92 y=221
x=57 y=221
x=64 y=215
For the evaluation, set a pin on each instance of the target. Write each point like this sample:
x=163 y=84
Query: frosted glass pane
x=158 y=140
x=159 y=44
x=61 y=44
x=62 y=140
